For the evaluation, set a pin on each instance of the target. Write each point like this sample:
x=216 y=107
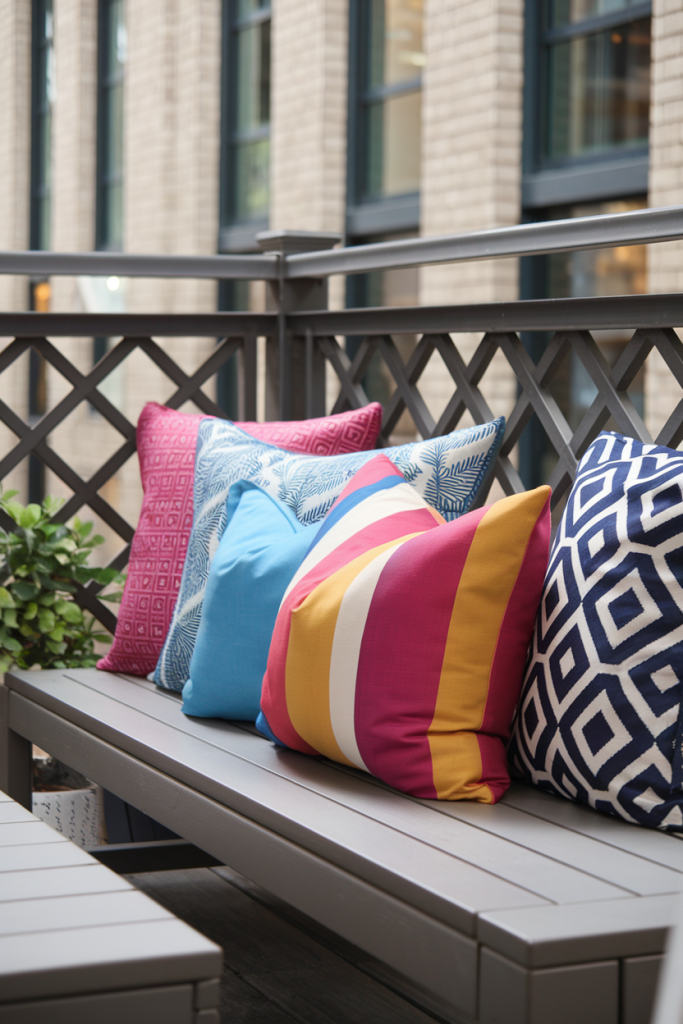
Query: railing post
x=295 y=369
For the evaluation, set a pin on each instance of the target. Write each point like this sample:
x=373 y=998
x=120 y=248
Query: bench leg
x=15 y=757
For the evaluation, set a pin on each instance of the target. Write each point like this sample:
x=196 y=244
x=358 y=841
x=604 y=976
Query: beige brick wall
x=15 y=56
x=308 y=114
x=665 y=262
x=471 y=158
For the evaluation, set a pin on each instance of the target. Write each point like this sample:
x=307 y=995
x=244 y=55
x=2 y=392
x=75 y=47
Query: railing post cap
x=288 y=242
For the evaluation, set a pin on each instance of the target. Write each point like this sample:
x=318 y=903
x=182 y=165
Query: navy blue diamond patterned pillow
x=599 y=715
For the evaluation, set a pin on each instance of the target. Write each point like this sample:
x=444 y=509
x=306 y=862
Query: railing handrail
x=637 y=227
x=44 y=263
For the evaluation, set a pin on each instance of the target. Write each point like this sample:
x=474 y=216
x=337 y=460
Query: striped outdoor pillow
x=399 y=646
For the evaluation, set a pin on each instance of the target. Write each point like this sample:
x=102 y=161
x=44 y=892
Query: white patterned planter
x=77 y=813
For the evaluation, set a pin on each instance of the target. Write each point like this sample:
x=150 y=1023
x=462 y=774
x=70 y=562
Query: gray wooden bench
x=79 y=944
x=533 y=911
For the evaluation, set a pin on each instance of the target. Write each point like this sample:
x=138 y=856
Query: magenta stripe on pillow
x=413 y=657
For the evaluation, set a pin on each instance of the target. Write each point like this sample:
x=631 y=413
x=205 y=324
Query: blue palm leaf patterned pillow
x=447 y=471
x=599 y=718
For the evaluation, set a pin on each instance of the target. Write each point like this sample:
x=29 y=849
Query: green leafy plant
x=41 y=564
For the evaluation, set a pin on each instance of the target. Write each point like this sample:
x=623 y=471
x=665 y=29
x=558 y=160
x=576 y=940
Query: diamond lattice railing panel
x=612 y=403
x=33 y=438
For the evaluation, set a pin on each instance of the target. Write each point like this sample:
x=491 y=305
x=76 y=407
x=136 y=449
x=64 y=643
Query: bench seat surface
x=541 y=882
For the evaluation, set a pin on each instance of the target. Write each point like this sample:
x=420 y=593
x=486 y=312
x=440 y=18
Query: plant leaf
x=14 y=509
x=30 y=516
x=56 y=648
x=8 y=643
x=69 y=611
x=6 y=599
x=9 y=617
x=46 y=621
x=24 y=590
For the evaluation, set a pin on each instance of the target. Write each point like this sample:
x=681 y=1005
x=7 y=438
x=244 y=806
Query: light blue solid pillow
x=261 y=549
x=447 y=471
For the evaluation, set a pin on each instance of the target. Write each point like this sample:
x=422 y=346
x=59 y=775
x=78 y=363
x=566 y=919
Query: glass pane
x=253 y=77
x=396 y=52
x=393 y=143
x=566 y=12
x=116 y=39
x=41 y=140
x=252 y=166
x=114 y=138
x=247 y=7
x=111 y=170
x=600 y=92
x=45 y=59
x=44 y=217
x=114 y=215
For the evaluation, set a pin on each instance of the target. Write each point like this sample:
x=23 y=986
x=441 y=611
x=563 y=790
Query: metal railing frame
x=302 y=339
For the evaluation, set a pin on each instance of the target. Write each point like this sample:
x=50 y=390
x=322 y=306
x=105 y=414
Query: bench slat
x=551 y=935
x=40 y=883
x=19 y=917
x=632 y=872
x=20 y=833
x=57 y=854
x=529 y=851
x=13 y=812
x=658 y=847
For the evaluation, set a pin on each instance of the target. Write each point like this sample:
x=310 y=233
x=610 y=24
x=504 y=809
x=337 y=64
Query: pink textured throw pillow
x=166 y=447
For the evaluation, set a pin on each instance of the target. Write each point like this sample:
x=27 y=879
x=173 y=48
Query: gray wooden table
x=535 y=910
x=79 y=944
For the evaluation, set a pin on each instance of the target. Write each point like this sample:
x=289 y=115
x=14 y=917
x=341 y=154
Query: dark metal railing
x=303 y=339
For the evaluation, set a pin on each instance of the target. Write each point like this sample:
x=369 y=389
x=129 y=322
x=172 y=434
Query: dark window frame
x=40 y=184
x=40 y=191
x=106 y=81
x=577 y=179
x=386 y=214
x=236 y=234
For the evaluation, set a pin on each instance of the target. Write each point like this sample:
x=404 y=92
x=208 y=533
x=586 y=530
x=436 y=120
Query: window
x=587 y=100
x=246 y=118
x=598 y=84
x=111 y=64
x=385 y=112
